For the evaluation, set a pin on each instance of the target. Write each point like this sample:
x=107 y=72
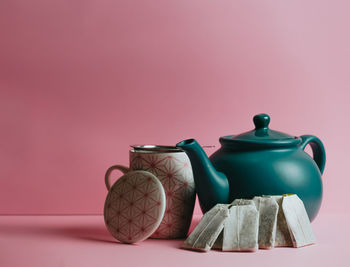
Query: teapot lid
x=260 y=136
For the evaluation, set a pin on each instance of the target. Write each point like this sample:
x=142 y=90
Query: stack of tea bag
x=246 y=225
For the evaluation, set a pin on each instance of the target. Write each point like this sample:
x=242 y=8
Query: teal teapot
x=258 y=162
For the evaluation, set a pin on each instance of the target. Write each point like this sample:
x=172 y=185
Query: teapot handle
x=317 y=147
x=109 y=171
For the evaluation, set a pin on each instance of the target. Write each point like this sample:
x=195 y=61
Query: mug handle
x=123 y=169
x=318 y=150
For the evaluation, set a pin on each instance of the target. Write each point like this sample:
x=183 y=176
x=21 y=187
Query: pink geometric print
x=175 y=173
x=134 y=206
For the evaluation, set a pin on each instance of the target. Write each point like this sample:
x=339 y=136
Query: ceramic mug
x=173 y=168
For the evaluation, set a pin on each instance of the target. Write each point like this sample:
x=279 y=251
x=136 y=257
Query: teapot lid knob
x=261 y=121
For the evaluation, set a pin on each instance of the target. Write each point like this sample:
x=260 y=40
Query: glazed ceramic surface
x=258 y=162
x=173 y=169
x=134 y=206
x=175 y=173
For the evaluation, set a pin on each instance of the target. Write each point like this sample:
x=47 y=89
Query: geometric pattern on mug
x=134 y=207
x=175 y=173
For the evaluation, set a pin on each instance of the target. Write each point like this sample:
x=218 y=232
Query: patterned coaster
x=134 y=206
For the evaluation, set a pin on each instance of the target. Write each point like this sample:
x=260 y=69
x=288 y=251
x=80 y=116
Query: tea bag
x=268 y=210
x=283 y=238
x=242 y=201
x=208 y=229
x=241 y=227
x=298 y=221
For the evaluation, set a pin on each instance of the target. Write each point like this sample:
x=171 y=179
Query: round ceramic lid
x=134 y=206
x=260 y=136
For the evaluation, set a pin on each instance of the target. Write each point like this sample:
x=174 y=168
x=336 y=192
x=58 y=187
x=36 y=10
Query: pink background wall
x=82 y=80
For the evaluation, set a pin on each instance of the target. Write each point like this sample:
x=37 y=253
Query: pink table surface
x=84 y=241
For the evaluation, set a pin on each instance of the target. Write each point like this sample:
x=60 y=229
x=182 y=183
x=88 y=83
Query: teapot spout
x=212 y=187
